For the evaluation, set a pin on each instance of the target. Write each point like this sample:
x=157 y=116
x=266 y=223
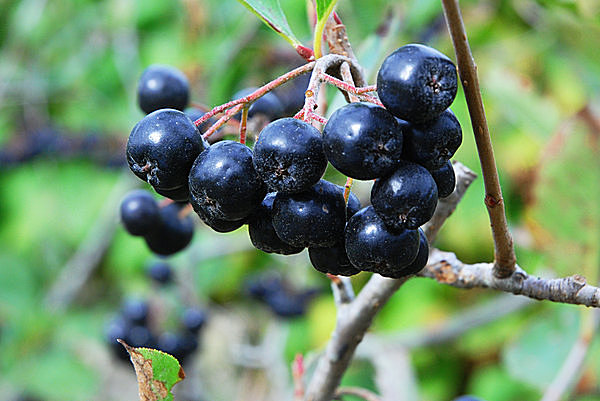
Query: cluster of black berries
x=133 y=324
x=283 y=300
x=277 y=190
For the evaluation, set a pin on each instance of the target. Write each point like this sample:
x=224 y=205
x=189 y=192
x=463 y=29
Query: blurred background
x=69 y=271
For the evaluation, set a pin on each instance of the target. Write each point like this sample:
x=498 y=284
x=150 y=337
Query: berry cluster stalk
x=504 y=258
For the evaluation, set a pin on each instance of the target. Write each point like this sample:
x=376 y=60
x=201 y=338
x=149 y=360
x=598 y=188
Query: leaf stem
x=504 y=258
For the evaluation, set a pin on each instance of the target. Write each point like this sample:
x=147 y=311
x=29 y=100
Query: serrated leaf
x=271 y=13
x=157 y=372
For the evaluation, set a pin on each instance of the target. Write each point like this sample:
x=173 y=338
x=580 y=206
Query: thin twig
x=353 y=320
x=303 y=69
x=446 y=268
x=505 y=260
x=359 y=392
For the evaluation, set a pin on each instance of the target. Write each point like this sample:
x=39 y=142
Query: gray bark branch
x=445 y=268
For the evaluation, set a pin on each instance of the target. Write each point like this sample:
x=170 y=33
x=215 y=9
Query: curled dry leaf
x=157 y=372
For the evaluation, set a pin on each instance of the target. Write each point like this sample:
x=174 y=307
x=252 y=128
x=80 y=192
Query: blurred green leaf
x=271 y=13
x=539 y=352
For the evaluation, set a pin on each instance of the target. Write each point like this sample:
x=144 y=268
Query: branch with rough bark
x=505 y=259
x=445 y=268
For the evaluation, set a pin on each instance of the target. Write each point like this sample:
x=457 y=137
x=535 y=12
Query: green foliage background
x=73 y=67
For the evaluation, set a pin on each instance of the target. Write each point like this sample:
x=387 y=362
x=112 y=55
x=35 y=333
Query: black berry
x=445 y=179
x=433 y=143
x=135 y=311
x=332 y=260
x=160 y=272
x=161 y=150
x=262 y=233
x=363 y=141
x=193 y=320
x=140 y=213
x=416 y=83
x=173 y=233
x=288 y=155
x=162 y=87
x=405 y=199
x=420 y=261
x=371 y=246
x=223 y=183
x=313 y=218
x=219 y=225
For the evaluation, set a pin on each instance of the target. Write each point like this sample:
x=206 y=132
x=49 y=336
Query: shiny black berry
x=140 y=213
x=223 y=183
x=420 y=261
x=416 y=83
x=313 y=218
x=332 y=260
x=292 y=94
x=371 y=246
x=363 y=141
x=405 y=199
x=268 y=105
x=173 y=233
x=162 y=87
x=262 y=233
x=433 y=143
x=445 y=179
x=219 y=225
x=160 y=272
x=288 y=155
x=161 y=150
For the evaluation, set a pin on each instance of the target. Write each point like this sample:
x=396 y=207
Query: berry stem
x=366 y=89
x=504 y=258
x=185 y=211
x=257 y=93
x=347 y=187
x=221 y=121
x=244 y=124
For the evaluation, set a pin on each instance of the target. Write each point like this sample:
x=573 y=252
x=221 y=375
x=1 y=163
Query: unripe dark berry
x=223 y=183
x=162 y=87
x=445 y=179
x=161 y=150
x=140 y=213
x=371 y=246
x=405 y=199
x=288 y=155
x=416 y=83
x=433 y=143
x=314 y=218
x=262 y=233
x=173 y=233
x=363 y=141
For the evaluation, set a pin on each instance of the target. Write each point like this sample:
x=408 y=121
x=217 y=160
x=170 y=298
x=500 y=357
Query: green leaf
x=157 y=372
x=324 y=8
x=271 y=13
